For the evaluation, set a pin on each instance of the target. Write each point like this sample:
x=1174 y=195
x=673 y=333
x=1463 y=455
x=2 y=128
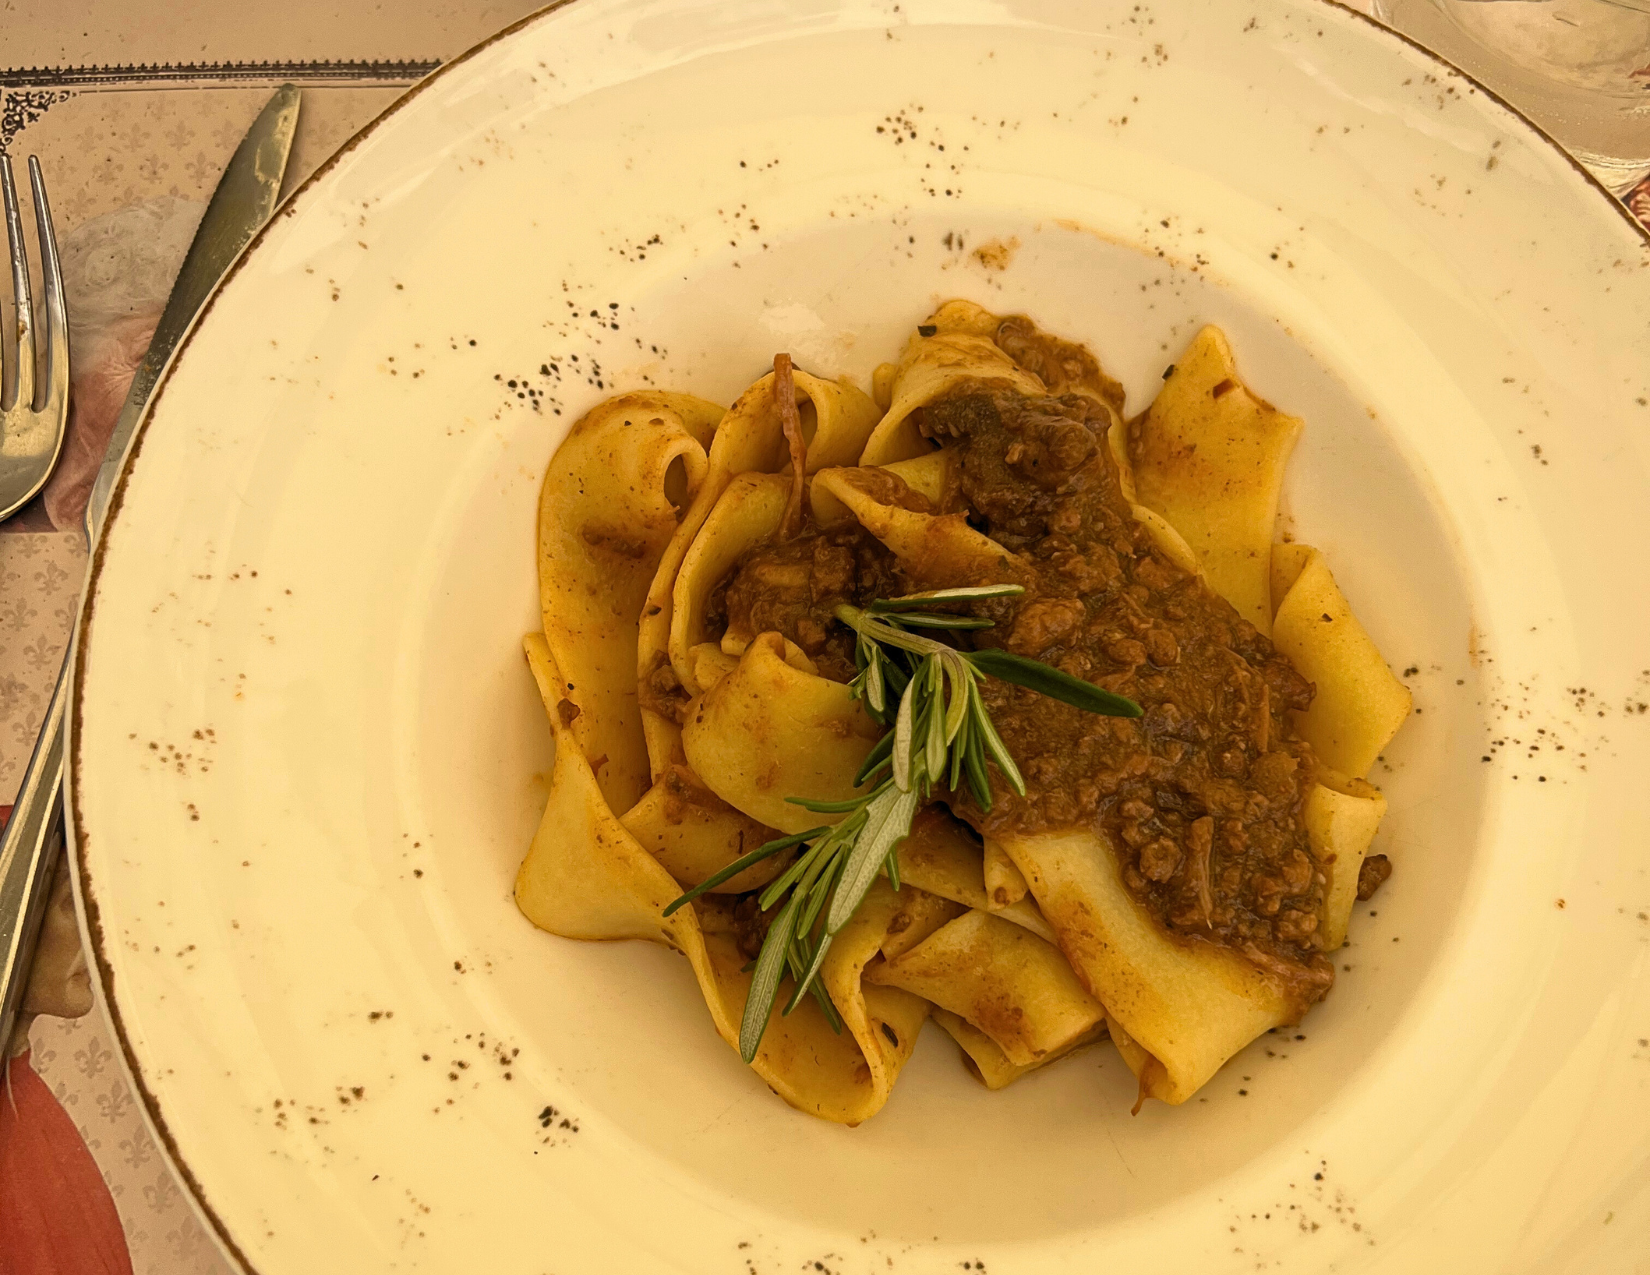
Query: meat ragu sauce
x=1202 y=796
x=794 y=587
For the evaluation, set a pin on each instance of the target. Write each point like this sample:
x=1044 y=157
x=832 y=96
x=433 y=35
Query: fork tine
x=22 y=388
x=57 y=314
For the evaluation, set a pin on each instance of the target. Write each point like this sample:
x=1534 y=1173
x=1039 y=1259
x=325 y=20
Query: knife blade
x=243 y=201
x=246 y=196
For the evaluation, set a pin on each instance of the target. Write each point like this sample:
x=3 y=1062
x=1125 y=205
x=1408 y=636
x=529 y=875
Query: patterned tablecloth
x=132 y=153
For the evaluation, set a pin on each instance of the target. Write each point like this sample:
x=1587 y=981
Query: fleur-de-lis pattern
x=40 y=574
x=76 y=1059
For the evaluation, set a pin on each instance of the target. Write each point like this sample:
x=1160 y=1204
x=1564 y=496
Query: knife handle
x=29 y=847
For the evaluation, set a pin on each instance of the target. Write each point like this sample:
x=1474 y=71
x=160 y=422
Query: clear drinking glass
x=1578 y=68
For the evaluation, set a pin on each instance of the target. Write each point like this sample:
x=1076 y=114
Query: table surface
x=134 y=108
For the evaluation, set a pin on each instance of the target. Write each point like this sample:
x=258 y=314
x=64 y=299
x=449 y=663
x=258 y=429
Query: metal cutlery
x=31 y=423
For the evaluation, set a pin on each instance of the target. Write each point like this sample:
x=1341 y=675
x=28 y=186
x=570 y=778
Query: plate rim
x=88 y=912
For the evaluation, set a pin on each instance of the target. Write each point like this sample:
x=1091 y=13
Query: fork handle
x=28 y=854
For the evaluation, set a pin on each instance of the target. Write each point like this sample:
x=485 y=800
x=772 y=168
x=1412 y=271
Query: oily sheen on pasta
x=1173 y=881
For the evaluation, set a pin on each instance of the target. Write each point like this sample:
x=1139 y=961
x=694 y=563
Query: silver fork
x=31 y=428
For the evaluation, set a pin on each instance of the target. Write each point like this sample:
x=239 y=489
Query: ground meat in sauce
x=794 y=587
x=1372 y=874
x=1063 y=366
x=739 y=917
x=1203 y=795
x=749 y=924
x=659 y=690
x=684 y=790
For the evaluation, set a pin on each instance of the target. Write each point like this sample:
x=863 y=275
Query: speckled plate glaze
x=309 y=755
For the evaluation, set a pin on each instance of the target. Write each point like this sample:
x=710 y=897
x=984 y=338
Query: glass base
x=1580 y=69
x=1618 y=176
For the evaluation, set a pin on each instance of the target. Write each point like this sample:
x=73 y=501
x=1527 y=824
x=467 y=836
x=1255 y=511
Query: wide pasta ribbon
x=1209 y=456
x=954 y=347
x=836 y=421
x=1003 y=981
x=586 y=877
x=680 y=737
x=606 y=515
x=1360 y=703
x=773 y=729
x=616 y=523
x=739 y=500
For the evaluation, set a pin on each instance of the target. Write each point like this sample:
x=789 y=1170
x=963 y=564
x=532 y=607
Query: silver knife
x=246 y=196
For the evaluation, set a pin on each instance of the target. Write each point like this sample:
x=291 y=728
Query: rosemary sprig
x=941 y=735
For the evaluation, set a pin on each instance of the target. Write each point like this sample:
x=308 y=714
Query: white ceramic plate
x=310 y=757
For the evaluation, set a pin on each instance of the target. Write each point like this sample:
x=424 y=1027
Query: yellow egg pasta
x=1000 y=978
x=1342 y=816
x=747 y=440
x=953 y=347
x=718 y=590
x=1005 y=884
x=919 y=915
x=769 y=730
x=694 y=834
x=747 y=514
x=1208 y=455
x=1360 y=703
x=606 y=516
x=931 y=547
x=585 y=877
x=988 y=1064
x=1191 y=1006
x=943 y=858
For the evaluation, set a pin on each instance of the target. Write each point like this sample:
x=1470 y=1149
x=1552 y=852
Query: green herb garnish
x=942 y=735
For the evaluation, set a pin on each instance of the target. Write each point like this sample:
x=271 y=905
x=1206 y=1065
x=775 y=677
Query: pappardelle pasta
x=1007 y=710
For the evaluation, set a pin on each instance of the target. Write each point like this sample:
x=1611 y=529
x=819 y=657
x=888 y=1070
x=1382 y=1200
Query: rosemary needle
x=941 y=734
